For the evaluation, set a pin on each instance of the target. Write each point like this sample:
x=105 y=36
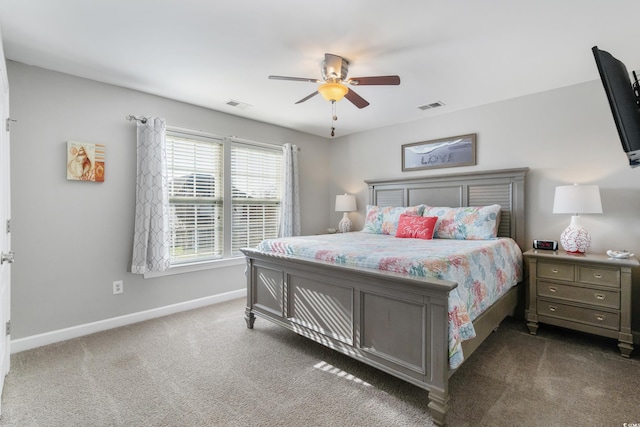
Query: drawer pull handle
x=552 y=289
x=597 y=275
x=552 y=308
x=555 y=270
x=600 y=317
x=600 y=296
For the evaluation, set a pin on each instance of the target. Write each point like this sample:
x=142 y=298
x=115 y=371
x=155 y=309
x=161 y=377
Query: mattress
x=483 y=269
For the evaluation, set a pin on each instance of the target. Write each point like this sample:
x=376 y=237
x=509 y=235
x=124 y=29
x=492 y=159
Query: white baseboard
x=39 y=340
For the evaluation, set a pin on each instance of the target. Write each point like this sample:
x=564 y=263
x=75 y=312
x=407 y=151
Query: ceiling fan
x=334 y=82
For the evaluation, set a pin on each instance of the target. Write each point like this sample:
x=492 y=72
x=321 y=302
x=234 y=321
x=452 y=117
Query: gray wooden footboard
x=390 y=321
x=395 y=323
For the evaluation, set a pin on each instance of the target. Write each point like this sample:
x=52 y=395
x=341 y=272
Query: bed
x=394 y=321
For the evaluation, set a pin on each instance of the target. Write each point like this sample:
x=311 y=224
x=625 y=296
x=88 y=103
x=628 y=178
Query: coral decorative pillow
x=384 y=220
x=416 y=227
x=467 y=223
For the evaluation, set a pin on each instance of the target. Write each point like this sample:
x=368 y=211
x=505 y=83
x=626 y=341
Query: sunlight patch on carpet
x=325 y=367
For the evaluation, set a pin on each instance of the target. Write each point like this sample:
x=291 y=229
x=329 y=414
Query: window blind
x=195 y=168
x=256 y=185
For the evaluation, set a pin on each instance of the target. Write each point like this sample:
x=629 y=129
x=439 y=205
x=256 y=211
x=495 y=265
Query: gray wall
x=73 y=239
x=564 y=136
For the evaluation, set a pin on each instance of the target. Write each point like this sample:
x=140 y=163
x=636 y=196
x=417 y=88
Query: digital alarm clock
x=548 y=245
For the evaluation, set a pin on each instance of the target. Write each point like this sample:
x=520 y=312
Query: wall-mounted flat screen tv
x=623 y=100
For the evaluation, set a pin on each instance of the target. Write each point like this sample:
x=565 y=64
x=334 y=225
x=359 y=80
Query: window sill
x=188 y=268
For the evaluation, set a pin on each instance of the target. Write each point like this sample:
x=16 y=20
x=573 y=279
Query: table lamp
x=345 y=203
x=576 y=199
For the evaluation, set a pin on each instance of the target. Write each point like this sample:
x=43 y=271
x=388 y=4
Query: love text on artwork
x=433 y=159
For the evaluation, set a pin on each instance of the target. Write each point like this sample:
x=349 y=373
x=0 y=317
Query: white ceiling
x=463 y=53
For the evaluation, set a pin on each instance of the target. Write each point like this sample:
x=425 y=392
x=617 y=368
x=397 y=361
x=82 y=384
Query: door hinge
x=9 y=327
x=8 y=226
x=9 y=120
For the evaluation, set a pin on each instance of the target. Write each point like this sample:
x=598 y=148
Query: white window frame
x=228 y=259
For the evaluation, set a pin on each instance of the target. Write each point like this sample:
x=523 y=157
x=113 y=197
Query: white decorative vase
x=344 y=226
x=575 y=238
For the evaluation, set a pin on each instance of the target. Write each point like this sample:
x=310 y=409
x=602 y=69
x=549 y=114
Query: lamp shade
x=345 y=203
x=333 y=91
x=577 y=199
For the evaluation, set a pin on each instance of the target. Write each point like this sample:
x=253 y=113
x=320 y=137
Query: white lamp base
x=575 y=238
x=344 y=226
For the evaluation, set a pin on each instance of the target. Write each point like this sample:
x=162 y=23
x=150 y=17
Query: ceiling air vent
x=432 y=105
x=238 y=104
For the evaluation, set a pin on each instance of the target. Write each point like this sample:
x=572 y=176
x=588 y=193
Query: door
x=5 y=215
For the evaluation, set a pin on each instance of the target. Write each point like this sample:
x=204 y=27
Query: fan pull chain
x=333 y=118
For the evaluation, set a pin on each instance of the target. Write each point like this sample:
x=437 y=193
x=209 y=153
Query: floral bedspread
x=484 y=269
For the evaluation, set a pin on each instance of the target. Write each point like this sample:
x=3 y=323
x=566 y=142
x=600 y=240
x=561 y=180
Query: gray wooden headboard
x=504 y=187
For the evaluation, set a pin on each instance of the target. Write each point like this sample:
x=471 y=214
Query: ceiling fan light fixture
x=333 y=91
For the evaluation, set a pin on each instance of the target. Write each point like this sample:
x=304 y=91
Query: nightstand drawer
x=599 y=276
x=556 y=271
x=602 y=319
x=601 y=298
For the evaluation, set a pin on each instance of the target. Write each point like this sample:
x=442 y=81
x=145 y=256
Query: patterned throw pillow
x=465 y=223
x=416 y=227
x=384 y=220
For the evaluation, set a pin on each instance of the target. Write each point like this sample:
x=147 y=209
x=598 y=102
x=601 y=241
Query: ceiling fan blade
x=307 y=97
x=356 y=99
x=295 y=79
x=376 y=80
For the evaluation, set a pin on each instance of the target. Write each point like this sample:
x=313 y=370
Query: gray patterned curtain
x=151 y=237
x=290 y=208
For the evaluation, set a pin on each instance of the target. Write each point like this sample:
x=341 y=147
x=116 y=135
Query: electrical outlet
x=118 y=287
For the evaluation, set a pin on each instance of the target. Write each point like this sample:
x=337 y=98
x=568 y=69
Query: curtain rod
x=234 y=138
x=140 y=118
x=252 y=142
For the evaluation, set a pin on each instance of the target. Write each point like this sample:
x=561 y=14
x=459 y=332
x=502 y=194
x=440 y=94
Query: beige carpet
x=205 y=368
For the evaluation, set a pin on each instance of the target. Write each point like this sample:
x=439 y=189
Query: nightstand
x=586 y=292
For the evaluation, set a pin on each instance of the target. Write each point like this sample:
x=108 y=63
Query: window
x=224 y=195
x=256 y=182
x=195 y=196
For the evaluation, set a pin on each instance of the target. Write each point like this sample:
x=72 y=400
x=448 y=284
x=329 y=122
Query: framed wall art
x=440 y=153
x=85 y=162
